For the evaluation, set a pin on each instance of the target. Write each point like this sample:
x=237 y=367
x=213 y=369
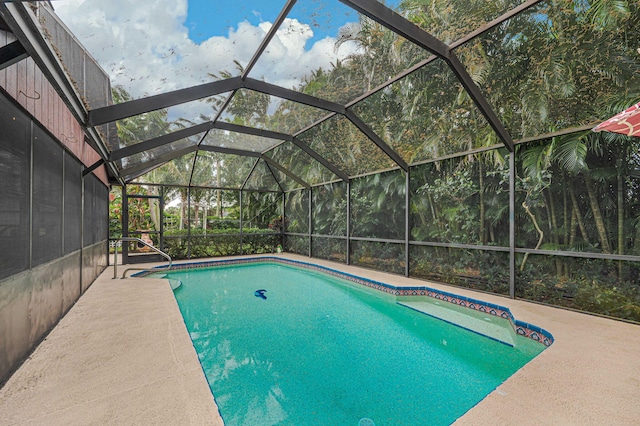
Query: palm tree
x=141 y=127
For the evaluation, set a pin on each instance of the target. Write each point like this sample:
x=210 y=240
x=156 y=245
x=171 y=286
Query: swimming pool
x=319 y=349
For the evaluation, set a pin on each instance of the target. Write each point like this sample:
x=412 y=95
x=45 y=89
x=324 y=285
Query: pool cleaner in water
x=260 y=293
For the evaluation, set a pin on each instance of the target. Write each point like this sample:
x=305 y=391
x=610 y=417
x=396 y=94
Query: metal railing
x=139 y=241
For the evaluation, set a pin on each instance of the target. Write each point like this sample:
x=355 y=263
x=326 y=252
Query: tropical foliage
x=556 y=69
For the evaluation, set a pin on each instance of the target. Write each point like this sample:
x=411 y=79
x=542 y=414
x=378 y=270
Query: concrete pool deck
x=122 y=355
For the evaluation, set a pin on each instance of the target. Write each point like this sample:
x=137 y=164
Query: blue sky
x=207 y=18
x=156 y=46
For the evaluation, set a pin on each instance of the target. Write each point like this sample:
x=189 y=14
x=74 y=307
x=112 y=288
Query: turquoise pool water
x=319 y=350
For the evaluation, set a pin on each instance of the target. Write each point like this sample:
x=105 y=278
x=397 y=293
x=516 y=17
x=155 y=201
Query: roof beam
x=159 y=141
x=377 y=140
x=392 y=80
x=21 y=20
x=116 y=112
x=250 y=173
x=499 y=20
x=274 y=176
x=319 y=158
x=314 y=124
x=269 y=161
x=488 y=26
x=191 y=131
x=284 y=170
x=292 y=95
x=11 y=54
x=480 y=101
x=233 y=151
x=285 y=137
x=24 y=24
x=92 y=167
x=265 y=42
x=3 y=25
x=150 y=165
x=221 y=125
x=398 y=24
x=224 y=105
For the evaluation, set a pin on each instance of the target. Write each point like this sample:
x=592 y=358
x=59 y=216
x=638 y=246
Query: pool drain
x=366 y=422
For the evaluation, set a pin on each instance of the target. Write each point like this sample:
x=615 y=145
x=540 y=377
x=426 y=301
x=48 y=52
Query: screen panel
x=329 y=212
x=476 y=269
x=15 y=152
x=386 y=257
x=378 y=206
x=47 y=198
x=89 y=211
x=297 y=212
x=72 y=204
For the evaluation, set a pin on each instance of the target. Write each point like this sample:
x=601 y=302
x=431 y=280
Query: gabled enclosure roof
x=319 y=90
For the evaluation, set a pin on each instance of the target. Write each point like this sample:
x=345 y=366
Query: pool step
x=491 y=326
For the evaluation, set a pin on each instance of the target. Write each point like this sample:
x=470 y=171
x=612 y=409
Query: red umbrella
x=627 y=122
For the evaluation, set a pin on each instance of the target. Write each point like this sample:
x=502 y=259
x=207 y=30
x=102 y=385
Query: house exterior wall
x=27 y=85
x=53 y=220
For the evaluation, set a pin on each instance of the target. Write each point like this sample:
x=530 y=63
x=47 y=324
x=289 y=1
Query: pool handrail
x=138 y=240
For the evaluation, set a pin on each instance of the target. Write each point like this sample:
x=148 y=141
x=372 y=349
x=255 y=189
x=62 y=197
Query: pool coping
x=589 y=375
x=521 y=328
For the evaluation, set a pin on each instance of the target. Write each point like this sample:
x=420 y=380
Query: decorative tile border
x=522 y=328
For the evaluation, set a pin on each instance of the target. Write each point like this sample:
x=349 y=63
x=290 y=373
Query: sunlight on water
x=317 y=350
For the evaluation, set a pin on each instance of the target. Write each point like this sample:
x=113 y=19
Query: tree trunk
x=576 y=211
x=481 y=231
x=183 y=206
x=219 y=193
x=597 y=214
x=204 y=220
x=433 y=209
x=535 y=223
x=565 y=215
x=554 y=230
x=196 y=210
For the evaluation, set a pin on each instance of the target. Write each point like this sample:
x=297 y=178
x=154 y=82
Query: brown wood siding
x=25 y=83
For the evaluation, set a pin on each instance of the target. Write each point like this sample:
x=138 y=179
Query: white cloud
x=144 y=46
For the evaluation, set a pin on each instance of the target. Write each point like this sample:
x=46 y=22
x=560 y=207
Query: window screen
x=72 y=204
x=47 y=198
x=14 y=190
x=96 y=199
x=89 y=208
x=101 y=215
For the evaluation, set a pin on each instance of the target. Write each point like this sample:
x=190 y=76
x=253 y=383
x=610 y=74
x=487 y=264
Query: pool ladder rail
x=140 y=241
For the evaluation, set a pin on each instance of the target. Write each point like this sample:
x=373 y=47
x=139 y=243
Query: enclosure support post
x=349 y=222
x=189 y=222
x=64 y=170
x=31 y=186
x=512 y=225
x=82 y=225
x=161 y=239
x=240 y=222
x=406 y=223
x=125 y=223
x=284 y=219
x=310 y=230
